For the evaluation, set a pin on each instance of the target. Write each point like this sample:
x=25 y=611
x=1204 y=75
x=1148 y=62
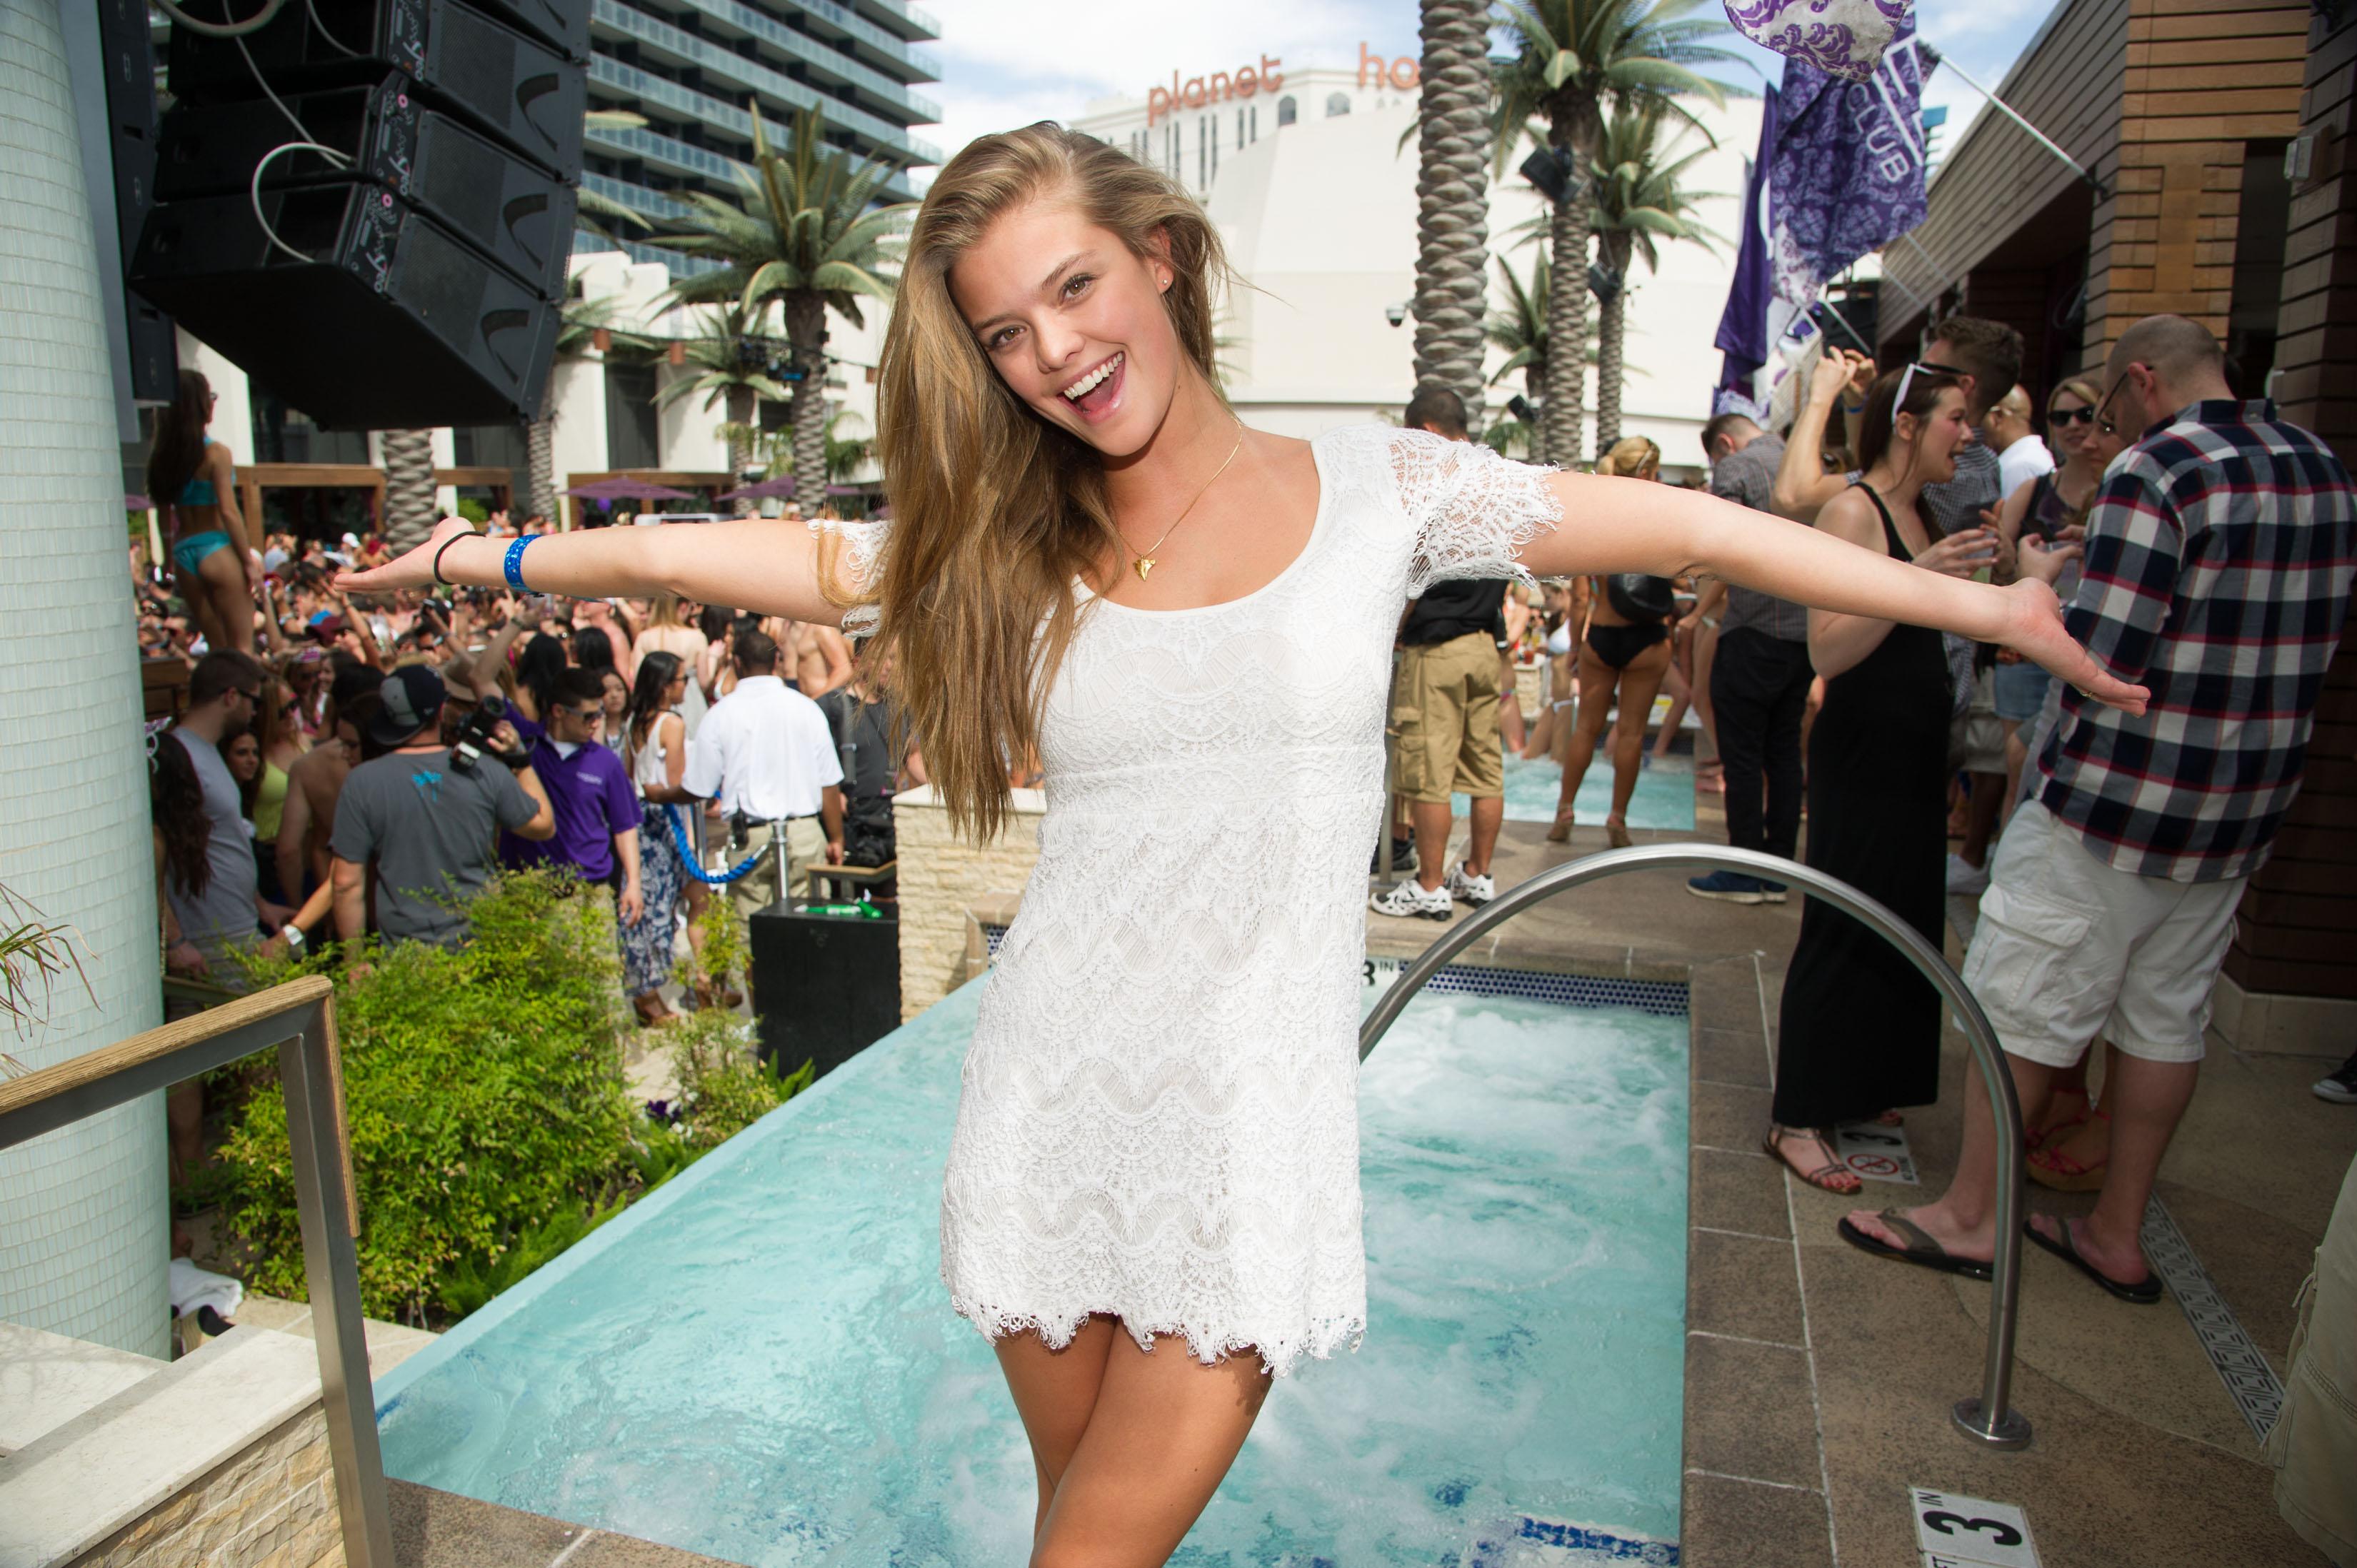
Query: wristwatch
x=294 y=935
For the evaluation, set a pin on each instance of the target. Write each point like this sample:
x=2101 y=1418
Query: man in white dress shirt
x=766 y=753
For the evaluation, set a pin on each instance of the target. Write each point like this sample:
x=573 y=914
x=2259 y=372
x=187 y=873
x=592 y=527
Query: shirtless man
x=822 y=658
x=317 y=779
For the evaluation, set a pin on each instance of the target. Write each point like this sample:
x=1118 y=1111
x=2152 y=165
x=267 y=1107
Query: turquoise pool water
x=758 y=1362
x=1664 y=796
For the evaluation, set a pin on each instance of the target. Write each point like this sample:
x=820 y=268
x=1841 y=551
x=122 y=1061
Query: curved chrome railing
x=1986 y=1418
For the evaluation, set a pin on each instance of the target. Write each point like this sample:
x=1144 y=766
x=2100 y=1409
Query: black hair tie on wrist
x=437 y=557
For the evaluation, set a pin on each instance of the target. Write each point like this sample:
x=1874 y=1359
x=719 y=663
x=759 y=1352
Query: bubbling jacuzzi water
x=758 y=1362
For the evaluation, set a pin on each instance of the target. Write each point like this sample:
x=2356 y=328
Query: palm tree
x=1637 y=195
x=1452 y=197
x=585 y=325
x=409 y=508
x=1569 y=55
x=808 y=240
x=731 y=365
x=1520 y=330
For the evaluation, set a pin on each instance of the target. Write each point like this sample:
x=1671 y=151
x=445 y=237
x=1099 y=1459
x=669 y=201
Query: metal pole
x=2036 y=134
x=311 y=1075
x=1988 y=1419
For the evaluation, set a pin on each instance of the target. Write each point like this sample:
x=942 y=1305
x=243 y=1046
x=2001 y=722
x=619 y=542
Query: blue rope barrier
x=696 y=868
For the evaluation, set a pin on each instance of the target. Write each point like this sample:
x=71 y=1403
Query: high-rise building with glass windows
x=697 y=69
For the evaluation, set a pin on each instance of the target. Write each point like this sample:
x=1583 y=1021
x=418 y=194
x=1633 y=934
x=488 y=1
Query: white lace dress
x=1159 y=1115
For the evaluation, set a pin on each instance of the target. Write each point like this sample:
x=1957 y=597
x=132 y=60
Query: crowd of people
x=2106 y=852
x=345 y=766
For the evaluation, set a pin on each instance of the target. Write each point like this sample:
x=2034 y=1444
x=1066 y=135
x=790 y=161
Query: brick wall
x=2202 y=80
x=274 y=1503
x=943 y=878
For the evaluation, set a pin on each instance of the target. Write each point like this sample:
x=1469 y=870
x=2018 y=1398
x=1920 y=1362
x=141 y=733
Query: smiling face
x=1073 y=321
x=2068 y=434
x=244 y=755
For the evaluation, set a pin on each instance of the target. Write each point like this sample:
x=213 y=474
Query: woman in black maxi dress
x=1859 y=1028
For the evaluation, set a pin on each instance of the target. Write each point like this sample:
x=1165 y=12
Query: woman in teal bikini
x=193 y=476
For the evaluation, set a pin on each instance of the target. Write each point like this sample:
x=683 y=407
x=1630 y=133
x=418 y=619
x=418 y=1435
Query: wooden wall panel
x=2298 y=924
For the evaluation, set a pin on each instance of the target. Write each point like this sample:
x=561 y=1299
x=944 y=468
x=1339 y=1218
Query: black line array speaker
x=392 y=322
x=408 y=277
x=129 y=60
x=826 y=987
x=521 y=90
x=498 y=202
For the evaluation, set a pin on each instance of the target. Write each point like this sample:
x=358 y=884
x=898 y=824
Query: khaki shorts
x=1444 y=713
x=758 y=889
x=2070 y=947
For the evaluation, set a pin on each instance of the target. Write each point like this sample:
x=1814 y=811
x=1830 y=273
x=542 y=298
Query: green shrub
x=473 y=510
x=723 y=1087
x=485 y=1098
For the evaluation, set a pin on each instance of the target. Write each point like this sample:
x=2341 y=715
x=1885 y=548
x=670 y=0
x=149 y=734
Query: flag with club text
x=1841 y=38
x=1848 y=170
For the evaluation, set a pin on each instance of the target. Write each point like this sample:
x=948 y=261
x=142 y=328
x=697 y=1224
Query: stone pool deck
x=1819 y=1380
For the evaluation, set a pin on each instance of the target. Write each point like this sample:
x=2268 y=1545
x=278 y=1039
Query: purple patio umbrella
x=622 y=488
x=782 y=488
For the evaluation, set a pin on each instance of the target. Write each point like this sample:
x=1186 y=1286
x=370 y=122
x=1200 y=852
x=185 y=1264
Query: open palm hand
x=2035 y=630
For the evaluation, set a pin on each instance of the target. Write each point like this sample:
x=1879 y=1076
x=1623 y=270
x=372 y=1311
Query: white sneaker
x=1409 y=897
x=1474 y=890
x=1964 y=878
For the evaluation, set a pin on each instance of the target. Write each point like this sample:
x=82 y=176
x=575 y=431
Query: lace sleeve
x=1471 y=509
x=851 y=569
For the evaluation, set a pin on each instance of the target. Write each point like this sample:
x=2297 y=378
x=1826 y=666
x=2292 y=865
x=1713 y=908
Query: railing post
x=311 y=1072
x=1988 y=1419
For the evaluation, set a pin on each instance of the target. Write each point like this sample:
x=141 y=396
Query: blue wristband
x=515 y=562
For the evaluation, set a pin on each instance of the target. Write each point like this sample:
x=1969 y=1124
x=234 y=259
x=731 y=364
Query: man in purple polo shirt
x=596 y=809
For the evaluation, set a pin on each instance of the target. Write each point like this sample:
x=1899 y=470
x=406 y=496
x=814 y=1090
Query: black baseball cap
x=413 y=697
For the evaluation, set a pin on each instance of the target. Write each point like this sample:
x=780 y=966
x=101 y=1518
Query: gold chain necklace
x=1145 y=562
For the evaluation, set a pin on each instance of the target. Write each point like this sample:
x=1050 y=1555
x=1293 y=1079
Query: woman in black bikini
x=1859 y=1031
x=1624 y=660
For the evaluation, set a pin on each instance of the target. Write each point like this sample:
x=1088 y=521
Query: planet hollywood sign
x=1247 y=81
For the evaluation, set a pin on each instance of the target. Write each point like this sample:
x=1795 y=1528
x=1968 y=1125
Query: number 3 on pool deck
x=1970 y=1532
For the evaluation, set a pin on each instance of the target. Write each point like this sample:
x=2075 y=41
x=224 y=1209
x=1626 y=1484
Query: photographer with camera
x=426 y=814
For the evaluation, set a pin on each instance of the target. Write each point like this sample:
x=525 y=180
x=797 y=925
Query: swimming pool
x=1663 y=797
x=758 y=1362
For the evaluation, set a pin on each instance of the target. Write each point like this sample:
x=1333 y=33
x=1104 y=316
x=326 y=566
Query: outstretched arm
x=1631 y=525
x=767 y=567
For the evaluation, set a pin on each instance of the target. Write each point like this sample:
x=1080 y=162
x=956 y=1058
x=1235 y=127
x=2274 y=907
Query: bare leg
x=1055 y=1391
x=1639 y=682
x=1681 y=690
x=2016 y=753
x=1964 y=1219
x=2146 y=1100
x=1980 y=816
x=1596 y=680
x=1509 y=704
x=1432 y=822
x=221 y=579
x=1705 y=653
x=1489 y=816
x=1164 y=1431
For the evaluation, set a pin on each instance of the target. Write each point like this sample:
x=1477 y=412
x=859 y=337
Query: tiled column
x=83 y=1216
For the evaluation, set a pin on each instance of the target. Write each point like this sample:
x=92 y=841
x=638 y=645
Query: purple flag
x=1743 y=332
x=1847 y=175
x=1841 y=38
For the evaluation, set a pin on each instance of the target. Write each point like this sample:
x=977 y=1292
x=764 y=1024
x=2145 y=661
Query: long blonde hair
x=994 y=511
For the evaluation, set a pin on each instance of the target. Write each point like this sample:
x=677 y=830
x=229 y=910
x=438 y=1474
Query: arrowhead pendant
x=1145 y=565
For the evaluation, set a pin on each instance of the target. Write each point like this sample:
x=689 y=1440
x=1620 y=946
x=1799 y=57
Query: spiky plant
x=1639 y=197
x=1569 y=57
x=808 y=239
x=730 y=361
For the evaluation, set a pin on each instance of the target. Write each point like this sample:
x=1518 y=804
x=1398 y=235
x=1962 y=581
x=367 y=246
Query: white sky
x=1009 y=62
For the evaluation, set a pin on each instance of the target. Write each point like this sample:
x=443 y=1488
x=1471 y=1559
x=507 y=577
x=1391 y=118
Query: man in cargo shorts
x=1445 y=717
x=2218 y=557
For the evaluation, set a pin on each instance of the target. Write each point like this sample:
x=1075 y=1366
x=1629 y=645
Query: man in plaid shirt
x=2218 y=562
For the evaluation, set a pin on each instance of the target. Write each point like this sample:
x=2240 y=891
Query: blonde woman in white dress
x=1151 y=1201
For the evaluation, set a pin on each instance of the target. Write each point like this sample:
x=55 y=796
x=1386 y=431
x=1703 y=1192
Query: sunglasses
x=2082 y=415
x=1930 y=368
x=588 y=715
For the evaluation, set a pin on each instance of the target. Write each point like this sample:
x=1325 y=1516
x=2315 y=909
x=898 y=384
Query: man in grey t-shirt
x=222 y=692
x=429 y=826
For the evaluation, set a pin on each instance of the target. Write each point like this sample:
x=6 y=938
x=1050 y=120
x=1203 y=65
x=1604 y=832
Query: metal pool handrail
x=300 y=1018
x=1986 y=1418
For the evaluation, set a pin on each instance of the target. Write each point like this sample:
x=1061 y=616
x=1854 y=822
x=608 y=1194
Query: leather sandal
x=2050 y=1167
x=1825 y=1176
x=1616 y=832
x=1561 y=831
